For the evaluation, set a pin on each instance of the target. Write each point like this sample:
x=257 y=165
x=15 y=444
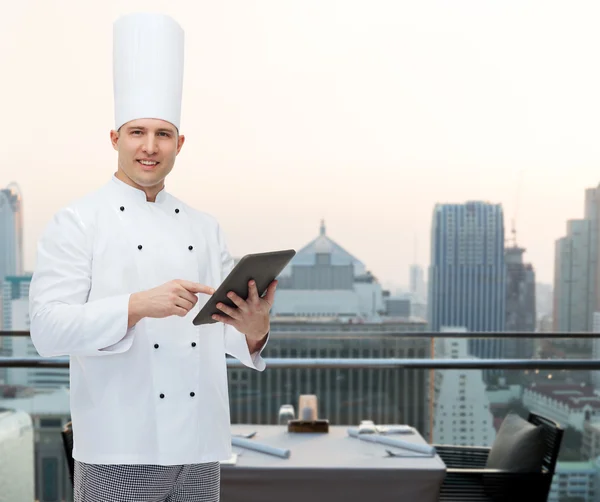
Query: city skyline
x=393 y=287
x=409 y=104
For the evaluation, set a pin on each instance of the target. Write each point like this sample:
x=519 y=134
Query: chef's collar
x=136 y=193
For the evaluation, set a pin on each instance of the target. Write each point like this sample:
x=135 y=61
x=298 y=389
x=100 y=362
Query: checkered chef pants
x=147 y=483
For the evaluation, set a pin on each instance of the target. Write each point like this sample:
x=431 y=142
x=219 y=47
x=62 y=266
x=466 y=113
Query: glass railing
x=429 y=381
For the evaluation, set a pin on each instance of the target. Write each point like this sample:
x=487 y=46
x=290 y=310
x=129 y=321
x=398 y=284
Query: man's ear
x=114 y=139
x=180 y=142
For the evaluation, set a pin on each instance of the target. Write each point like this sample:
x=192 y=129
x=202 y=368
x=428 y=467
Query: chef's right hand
x=176 y=297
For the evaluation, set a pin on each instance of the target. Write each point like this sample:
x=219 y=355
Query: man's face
x=147 y=149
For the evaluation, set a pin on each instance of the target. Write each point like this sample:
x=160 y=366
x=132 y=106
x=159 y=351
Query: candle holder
x=308 y=420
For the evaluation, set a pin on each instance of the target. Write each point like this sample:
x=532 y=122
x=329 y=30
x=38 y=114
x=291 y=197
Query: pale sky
x=365 y=113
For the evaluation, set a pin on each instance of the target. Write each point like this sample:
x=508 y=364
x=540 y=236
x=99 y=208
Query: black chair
x=468 y=478
x=67 y=438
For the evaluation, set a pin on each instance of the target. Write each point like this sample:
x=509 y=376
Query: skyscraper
x=418 y=292
x=11 y=244
x=520 y=304
x=417 y=283
x=11 y=231
x=573 y=280
x=467 y=273
x=576 y=270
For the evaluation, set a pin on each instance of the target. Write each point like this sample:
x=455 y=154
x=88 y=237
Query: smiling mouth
x=148 y=164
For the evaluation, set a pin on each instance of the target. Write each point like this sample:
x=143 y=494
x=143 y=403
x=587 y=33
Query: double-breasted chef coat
x=155 y=393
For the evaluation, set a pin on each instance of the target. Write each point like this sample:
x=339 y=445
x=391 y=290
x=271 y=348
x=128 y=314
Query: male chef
x=120 y=275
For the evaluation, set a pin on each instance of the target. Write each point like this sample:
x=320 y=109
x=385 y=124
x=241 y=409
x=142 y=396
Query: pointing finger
x=194 y=287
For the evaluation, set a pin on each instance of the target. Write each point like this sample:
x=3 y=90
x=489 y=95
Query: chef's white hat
x=147 y=68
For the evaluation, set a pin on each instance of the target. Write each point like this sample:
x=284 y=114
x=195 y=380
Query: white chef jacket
x=156 y=393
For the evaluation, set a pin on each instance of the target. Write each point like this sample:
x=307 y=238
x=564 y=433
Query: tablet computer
x=262 y=267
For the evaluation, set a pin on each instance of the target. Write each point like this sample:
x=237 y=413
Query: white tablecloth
x=328 y=467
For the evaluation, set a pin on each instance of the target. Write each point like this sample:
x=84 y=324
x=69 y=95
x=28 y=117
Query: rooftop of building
x=323 y=244
x=571 y=395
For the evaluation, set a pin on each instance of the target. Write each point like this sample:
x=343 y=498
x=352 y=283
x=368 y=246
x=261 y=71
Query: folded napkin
x=262 y=448
x=389 y=441
x=395 y=429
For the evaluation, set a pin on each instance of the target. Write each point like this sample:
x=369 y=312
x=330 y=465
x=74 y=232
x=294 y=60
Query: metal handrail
x=359 y=363
x=425 y=334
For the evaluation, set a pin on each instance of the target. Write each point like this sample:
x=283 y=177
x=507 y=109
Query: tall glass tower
x=467 y=272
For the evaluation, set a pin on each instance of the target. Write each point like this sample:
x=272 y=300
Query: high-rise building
x=577 y=271
x=520 y=304
x=417 y=282
x=467 y=273
x=11 y=234
x=462 y=413
x=11 y=231
x=575 y=481
x=595 y=375
x=14 y=291
x=418 y=291
x=592 y=214
x=573 y=279
x=543 y=300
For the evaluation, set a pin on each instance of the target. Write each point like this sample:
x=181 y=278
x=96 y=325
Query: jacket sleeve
x=235 y=341
x=62 y=320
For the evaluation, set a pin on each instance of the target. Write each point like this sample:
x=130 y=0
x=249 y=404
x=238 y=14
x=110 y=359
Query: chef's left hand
x=251 y=316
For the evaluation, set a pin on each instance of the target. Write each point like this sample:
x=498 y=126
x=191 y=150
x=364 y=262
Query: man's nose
x=150 y=145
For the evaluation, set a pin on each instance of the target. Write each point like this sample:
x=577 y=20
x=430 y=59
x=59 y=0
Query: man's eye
x=165 y=134
x=136 y=132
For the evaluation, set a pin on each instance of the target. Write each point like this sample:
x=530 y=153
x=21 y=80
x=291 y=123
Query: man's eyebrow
x=141 y=128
